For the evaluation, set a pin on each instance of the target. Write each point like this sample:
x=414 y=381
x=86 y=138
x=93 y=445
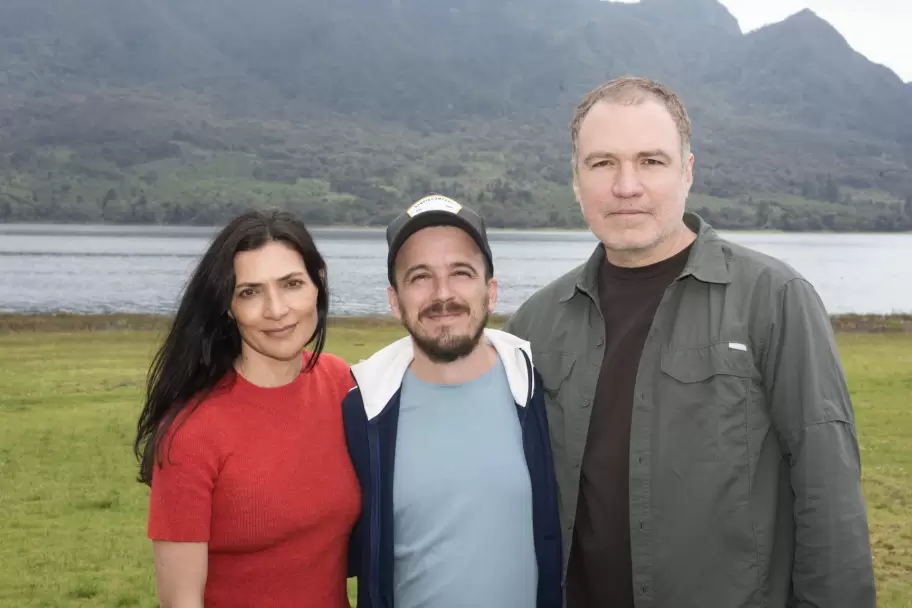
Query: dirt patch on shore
x=873 y=323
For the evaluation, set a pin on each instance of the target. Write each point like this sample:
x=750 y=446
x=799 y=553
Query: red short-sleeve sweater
x=263 y=476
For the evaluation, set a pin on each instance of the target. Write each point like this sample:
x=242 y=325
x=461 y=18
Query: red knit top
x=263 y=476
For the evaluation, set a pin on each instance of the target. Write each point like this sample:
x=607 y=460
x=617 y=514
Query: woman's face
x=274 y=302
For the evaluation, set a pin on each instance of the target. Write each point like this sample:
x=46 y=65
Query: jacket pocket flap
x=553 y=367
x=701 y=363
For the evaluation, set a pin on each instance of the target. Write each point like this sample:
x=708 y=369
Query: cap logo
x=434 y=203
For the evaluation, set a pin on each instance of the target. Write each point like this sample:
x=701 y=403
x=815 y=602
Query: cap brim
x=426 y=220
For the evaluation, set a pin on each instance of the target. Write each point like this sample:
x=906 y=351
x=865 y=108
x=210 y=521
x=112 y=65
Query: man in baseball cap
x=447 y=432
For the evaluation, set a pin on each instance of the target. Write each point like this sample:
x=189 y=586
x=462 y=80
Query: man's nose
x=627 y=183
x=442 y=291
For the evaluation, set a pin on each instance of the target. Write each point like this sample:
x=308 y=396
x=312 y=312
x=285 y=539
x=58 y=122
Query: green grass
x=73 y=530
x=879 y=370
x=73 y=517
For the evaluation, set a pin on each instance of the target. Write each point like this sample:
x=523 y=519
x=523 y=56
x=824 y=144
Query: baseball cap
x=435 y=210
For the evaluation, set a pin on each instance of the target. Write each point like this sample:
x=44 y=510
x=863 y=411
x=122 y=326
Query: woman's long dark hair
x=203 y=342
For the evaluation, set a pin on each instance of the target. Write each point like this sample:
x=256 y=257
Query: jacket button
x=600 y=342
x=585 y=403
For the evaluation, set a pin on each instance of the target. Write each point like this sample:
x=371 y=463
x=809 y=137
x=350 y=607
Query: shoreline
x=31 y=228
x=74 y=322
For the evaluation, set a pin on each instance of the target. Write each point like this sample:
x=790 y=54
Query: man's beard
x=447 y=348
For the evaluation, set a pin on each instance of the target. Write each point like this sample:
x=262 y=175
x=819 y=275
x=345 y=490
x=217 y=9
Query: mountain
x=186 y=111
x=804 y=68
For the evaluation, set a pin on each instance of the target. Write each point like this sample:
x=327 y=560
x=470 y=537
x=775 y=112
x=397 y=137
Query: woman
x=253 y=496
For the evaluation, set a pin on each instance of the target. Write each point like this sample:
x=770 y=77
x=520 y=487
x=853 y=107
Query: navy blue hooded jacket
x=371 y=414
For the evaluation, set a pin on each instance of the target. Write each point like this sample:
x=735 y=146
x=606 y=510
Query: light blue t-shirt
x=462 y=498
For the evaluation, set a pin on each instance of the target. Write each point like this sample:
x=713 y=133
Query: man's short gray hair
x=631 y=90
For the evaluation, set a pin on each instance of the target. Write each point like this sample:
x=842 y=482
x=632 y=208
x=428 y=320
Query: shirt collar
x=707 y=261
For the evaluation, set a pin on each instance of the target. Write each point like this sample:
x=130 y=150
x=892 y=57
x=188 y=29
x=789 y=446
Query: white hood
x=380 y=376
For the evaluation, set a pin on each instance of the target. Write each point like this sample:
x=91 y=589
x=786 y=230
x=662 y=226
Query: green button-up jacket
x=745 y=487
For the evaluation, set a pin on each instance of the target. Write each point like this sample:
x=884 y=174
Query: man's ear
x=394 y=302
x=576 y=191
x=492 y=295
x=688 y=172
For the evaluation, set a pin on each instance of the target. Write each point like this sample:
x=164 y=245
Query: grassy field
x=73 y=517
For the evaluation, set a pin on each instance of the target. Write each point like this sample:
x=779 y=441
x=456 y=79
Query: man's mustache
x=444 y=308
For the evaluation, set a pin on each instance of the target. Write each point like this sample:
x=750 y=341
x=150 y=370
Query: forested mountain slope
x=185 y=111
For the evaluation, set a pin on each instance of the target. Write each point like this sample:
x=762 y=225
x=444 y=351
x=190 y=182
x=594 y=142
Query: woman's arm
x=180 y=573
x=180 y=509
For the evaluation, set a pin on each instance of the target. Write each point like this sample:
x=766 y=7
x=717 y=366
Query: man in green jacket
x=703 y=435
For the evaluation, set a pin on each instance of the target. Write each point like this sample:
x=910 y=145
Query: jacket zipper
x=374 y=445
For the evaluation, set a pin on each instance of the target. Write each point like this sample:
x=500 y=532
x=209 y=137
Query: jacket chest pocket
x=702 y=400
x=555 y=368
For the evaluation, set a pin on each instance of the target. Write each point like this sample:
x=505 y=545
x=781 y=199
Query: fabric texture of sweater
x=263 y=476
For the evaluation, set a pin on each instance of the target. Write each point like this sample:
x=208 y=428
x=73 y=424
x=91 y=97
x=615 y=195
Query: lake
x=112 y=269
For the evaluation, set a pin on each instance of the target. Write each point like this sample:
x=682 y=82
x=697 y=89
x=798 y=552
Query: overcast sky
x=881 y=30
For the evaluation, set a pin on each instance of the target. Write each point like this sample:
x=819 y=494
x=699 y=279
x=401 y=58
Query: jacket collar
x=706 y=262
x=380 y=376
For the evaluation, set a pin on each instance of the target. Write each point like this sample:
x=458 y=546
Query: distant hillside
x=186 y=111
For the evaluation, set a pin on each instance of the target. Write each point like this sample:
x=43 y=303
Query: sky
x=878 y=29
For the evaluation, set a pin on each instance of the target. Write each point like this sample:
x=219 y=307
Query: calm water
x=106 y=269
